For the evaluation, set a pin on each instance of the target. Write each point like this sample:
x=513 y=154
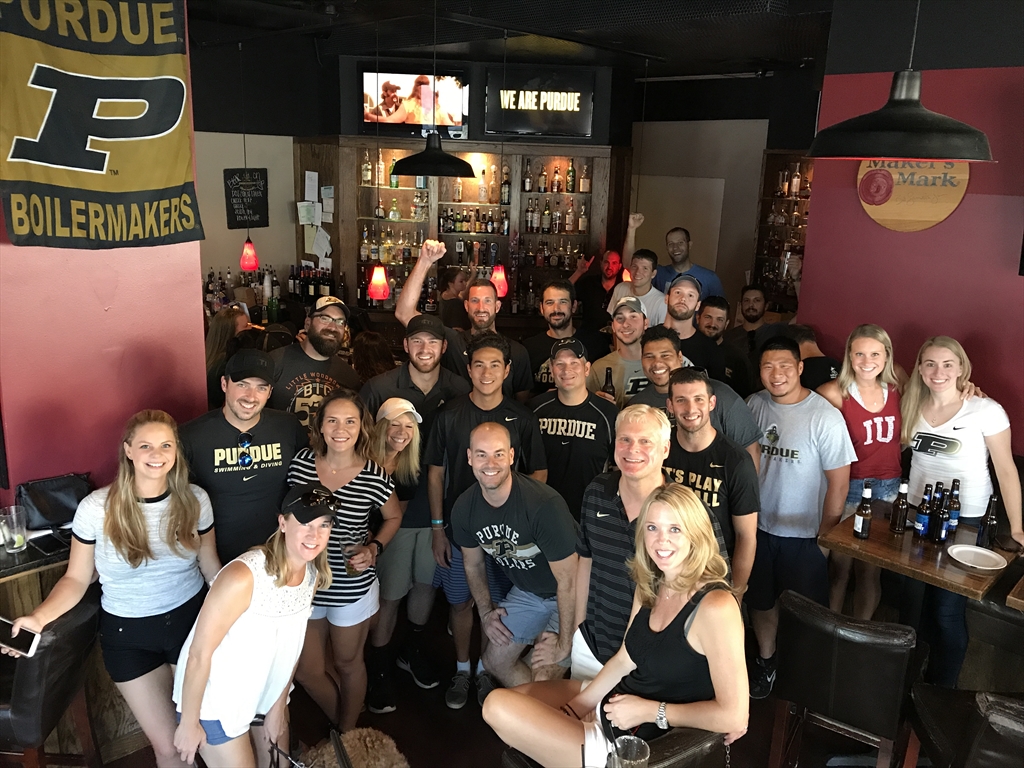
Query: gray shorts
x=408 y=558
x=528 y=615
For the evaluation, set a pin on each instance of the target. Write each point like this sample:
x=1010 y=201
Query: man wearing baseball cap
x=683 y=300
x=577 y=426
x=629 y=321
x=307 y=371
x=426 y=386
x=240 y=454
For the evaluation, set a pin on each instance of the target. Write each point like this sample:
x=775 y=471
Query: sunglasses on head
x=244 y=443
x=316 y=498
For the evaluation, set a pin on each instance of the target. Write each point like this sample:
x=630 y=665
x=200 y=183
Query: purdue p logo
x=935 y=445
x=72 y=120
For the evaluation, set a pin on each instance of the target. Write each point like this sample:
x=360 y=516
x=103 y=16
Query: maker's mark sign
x=910 y=195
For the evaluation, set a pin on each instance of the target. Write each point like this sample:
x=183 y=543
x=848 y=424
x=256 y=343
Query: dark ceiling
x=669 y=37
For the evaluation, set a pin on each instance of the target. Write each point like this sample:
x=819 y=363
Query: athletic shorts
x=886 y=490
x=527 y=615
x=408 y=559
x=351 y=614
x=135 y=647
x=584 y=663
x=782 y=563
x=456 y=588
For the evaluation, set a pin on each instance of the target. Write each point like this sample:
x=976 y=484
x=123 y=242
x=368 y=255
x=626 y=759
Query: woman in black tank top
x=681 y=662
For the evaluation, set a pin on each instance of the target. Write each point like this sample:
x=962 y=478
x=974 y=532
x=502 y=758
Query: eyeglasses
x=316 y=498
x=341 y=322
x=244 y=443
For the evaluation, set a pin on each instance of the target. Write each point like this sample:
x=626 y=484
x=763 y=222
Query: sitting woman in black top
x=681 y=663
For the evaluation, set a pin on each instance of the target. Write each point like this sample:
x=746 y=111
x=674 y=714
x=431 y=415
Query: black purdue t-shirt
x=818 y=371
x=577 y=442
x=723 y=475
x=246 y=500
x=704 y=353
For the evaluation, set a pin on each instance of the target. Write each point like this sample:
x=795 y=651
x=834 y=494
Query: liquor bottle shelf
x=393 y=221
x=471 y=235
x=393 y=189
x=556 y=194
x=444 y=203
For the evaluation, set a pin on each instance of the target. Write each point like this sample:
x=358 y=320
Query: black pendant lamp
x=902 y=129
x=433 y=161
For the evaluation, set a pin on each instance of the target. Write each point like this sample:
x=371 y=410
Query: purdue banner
x=95 y=146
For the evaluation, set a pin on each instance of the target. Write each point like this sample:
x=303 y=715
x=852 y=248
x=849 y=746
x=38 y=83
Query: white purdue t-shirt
x=957 y=449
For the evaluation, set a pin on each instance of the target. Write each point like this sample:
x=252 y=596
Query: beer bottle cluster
x=938 y=514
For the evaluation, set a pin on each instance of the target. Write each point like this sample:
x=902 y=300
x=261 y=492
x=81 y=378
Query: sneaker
x=380 y=693
x=458 y=692
x=762 y=677
x=416 y=664
x=484 y=685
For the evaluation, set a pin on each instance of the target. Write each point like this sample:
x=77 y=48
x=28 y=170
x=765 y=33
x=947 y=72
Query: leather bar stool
x=679 y=748
x=847 y=675
x=35 y=692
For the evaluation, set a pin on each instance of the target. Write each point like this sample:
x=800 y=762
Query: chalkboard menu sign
x=245 y=198
x=538 y=102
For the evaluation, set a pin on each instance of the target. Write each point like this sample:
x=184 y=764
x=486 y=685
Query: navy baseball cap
x=571 y=343
x=685 y=276
x=250 y=364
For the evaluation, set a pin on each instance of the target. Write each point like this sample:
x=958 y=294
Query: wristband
x=437 y=522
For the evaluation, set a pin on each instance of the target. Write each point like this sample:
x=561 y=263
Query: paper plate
x=977 y=557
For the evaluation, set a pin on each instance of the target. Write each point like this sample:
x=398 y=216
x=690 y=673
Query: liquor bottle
x=366 y=174
x=556 y=218
x=364 y=246
x=380 y=166
x=327 y=284
x=570 y=217
x=529 y=215
x=457 y=190
x=430 y=306
x=394 y=214
x=230 y=280
x=291 y=281
x=923 y=514
x=545 y=218
x=268 y=288
x=954 y=506
x=794 y=182
x=481 y=189
x=273 y=309
x=940 y=523
x=527 y=179
x=506 y=187
x=556 y=181
x=581 y=227
x=378 y=212
x=275 y=287
x=862 y=517
x=989 y=524
x=492 y=186
x=490 y=224
x=585 y=180
x=609 y=385
x=421 y=182
x=898 y=518
x=570 y=177
x=311 y=289
x=542 y=181
x=374 y=247
x=505 y=226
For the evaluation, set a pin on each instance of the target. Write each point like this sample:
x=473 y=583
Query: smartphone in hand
x=25 y=643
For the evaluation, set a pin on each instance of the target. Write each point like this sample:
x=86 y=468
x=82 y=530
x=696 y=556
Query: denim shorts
x=215 y=735
x=886 y=490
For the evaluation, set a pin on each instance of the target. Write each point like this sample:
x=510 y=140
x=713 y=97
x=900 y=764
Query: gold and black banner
x=95 y=124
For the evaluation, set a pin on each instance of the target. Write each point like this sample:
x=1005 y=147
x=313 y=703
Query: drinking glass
x=349 y=551
x=630 y=752
x=12 y=528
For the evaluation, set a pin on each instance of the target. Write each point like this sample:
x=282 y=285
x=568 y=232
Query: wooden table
x=1016 y=597
x=916 y=558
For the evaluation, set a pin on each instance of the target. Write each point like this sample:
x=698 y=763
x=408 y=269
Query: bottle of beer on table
x=937 y=499
x=954 y=507
x=924 y=511
x=862 y=518
x=940 y=522
x=989 y=524
x=898 y=517
x=609 y=385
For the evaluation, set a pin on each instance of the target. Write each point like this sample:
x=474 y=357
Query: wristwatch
x=380 y=547
x=662 y=719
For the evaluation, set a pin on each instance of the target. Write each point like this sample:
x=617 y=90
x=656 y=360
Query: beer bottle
x=609 y=385
x=989 y=524
x=937 y=498
x=954 y=507
x=923 y=514
x=898 y=518
x=862 y=518
x=940 y=522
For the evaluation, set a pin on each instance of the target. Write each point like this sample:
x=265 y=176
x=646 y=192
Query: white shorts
x=351 y=614
x=584 y=664
x=596 y=746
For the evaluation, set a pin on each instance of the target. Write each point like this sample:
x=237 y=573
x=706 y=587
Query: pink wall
x=957 y=278
x=88 y=338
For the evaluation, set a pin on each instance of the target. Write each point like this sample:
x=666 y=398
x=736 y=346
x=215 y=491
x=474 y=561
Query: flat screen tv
x=397 y=103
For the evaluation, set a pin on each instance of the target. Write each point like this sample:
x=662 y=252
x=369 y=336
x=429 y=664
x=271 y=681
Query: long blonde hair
x=704 y=563
x=407 y=472
x=887 y=376
x=125 y=524
x=276 y=562
x=222 y=330
x=917 y=392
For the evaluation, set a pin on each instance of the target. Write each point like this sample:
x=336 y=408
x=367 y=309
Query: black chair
x=968 y=729
x=846 y=675
x=679 y=748
x=36 y=692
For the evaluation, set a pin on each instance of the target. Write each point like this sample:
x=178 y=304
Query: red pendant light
x=249 y=262
x=379 y=289
x=500 y=281
x=626 y=278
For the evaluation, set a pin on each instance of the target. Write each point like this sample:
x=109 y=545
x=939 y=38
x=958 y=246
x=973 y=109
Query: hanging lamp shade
x=902 y=130
x=249 y=262
x=500 y=281
x=379 y=288
x=626 y=277
x=433 y=161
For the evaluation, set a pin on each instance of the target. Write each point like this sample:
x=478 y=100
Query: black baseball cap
x=685 y=276
x=425 y=324
x=571 y=343
x=308 y=502
x=250 y=364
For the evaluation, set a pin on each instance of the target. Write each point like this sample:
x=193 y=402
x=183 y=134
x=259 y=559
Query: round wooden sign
x=908 y=195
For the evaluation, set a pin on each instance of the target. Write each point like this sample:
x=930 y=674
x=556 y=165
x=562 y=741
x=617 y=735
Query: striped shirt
x=372 y=487
x=606 y=537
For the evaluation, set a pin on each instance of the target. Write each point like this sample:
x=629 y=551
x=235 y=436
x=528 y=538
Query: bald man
x=526 y=527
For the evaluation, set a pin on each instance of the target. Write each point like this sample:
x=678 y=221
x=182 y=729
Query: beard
x=680 y=314
x=752 y=315
x=556 y=324
x=711 y=334
x=324 y=344
x=424 y=367
x=482 y=325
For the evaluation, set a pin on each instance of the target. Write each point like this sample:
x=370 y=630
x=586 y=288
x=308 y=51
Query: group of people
x=606 y=543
